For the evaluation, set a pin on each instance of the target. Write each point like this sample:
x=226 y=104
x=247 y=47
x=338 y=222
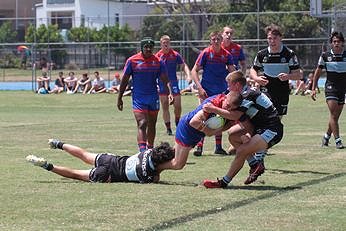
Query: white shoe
x=37 y=161
x=53 y=143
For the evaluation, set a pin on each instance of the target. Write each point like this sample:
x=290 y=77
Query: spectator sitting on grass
x=98 y=84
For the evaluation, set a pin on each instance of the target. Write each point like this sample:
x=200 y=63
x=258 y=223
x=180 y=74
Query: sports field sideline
x=303 y=188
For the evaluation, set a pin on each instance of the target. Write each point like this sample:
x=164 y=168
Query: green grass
x=303 y=187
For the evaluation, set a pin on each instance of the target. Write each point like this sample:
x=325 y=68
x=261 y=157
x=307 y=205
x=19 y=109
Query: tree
x=7 y=35
x=44 y=36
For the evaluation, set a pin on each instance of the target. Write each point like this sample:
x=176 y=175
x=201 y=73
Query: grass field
x=304 y=187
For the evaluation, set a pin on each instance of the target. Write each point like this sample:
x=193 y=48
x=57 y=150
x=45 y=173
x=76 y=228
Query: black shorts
x=335 y=91
x=279 y=98
x=104 y=163
x=272 y=135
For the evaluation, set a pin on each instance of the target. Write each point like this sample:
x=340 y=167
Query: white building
x=91 y=13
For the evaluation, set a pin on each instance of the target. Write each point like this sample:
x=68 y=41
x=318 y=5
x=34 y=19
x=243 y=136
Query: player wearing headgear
x=108 y=168
x=145 y=69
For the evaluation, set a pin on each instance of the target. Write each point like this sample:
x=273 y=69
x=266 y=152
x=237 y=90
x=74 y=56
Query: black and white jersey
x=140 y=168
x=259 y=108
x=272 y=64
x=335 y=65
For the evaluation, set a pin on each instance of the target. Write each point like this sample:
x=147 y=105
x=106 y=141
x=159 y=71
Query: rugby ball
x=215 y=122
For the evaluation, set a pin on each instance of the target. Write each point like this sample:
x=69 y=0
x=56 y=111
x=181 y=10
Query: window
x=60 y=1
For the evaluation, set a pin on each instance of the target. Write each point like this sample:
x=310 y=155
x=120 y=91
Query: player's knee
x=142 y=124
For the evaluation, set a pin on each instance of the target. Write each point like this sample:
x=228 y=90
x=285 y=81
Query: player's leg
x=75 y=151
x=335 y=110
x=177 y=108
x=199 y=147
x=62 y=171
x=142 y=124
x=242 y=153
x=82 y=175
x=151 y=128
x=165 y=113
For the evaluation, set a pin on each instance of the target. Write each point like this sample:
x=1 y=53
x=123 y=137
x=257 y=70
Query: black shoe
x=220 y=151
x=198 y=151
x=339 y=145
x=169 y=132
x=325 y=141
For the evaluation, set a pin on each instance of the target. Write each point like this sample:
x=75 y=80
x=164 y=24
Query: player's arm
x=123 y=84
x=167 y=86
x=197 y=122
x=242 y=64
x=260 y=79
x=187 y=71
x=315 y=79
x=230 y=68
x=294 y=75
x=233 y=115
x=194 y=75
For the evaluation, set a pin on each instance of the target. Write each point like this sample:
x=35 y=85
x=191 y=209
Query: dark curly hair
x=337 y=35
x=162 y=153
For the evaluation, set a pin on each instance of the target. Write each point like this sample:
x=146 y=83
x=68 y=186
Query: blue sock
x=251 y=160
x=226 y=179
x=259 y=156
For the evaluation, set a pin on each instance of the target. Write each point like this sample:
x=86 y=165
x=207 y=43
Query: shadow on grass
x=237 y=204
x=296 y=172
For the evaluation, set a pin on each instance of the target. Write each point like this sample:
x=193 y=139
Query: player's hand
x=202 y=94
x=262 y=80
x=170 y=99
x=283 y=76
x=209 y=108
x=120 y=104
x=313 y=95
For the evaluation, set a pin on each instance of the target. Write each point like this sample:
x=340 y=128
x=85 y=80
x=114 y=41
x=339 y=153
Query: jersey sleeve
x=128 y=68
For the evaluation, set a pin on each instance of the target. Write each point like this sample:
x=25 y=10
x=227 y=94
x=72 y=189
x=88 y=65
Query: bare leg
x=177 y=106
x=256 y=143
x=82 y=175
x=335 y=112
x=151 y=129
x=80 y=153
x=142 y=124
x=165 y=109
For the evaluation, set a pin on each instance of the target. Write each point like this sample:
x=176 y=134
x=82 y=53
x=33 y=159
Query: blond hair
x=236 y=76
x=165 y=37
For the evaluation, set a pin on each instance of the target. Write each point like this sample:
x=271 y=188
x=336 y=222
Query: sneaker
x=255 y=171
x=198 y=151
x=214 y=184
x=37 y=161
x=220 y=151
x=339 y=145
x=325 y=141
x=169 y=132
x=53 y=143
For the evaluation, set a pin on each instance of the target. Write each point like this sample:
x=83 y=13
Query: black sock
x=48 y=166
x=59 y=145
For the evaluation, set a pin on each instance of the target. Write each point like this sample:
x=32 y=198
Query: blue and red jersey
x=172 y=59
x=145 y=74
x=237 y=53
x=188 y=136
x=214 y=66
